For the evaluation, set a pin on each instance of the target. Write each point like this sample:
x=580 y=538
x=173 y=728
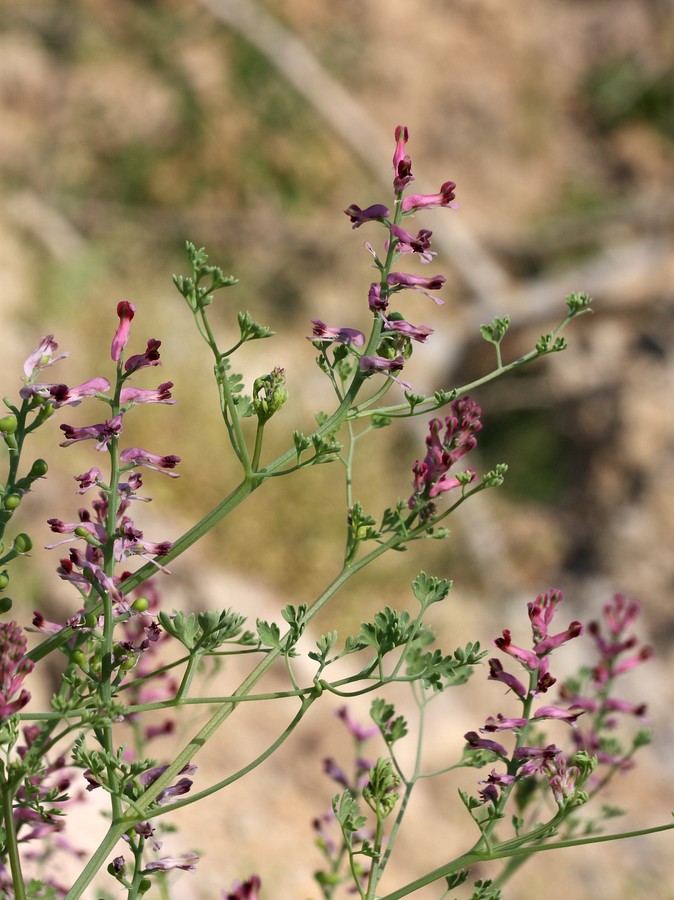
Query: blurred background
x=247 y=127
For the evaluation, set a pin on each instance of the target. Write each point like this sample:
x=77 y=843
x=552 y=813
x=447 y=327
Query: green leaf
x=325 y=643
x=428 y=589
x=380 y=792
x=390 y=629
x=348 y=812
x=495 y=332
x=269 y=634
x=383 y=715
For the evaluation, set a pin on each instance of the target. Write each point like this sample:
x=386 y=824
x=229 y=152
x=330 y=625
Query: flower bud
x=22 y=543
x=38 y=470
x=8 y=424
x=269 y=394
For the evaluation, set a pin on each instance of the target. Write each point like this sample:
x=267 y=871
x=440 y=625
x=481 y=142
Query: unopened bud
x=22 y=543
x=8 y=424
x=39 y=469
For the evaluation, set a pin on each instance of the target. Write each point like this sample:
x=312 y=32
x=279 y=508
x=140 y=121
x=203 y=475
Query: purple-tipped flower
x=14 y=666
x=142 y=360
x=445 y=197
x=418 y=333
x=493 y=782
x=42 y=356
x=498 y=673
x=502 y=723
x=126 y=311
x=88 y=479
x=555 y=712
x=65 y=396
x=371 y=364
x=407 y=243
x=402 y=164
x=135 y=456
x=374 y=213
x=535 y=759
x=431 y=476
x=247 y=890
x=187 y=862
x=474 y=740
x=402 y=280
x=132 y=395
x=322 y=332
x=102 y=433
x=375 y=301
x=527 y=657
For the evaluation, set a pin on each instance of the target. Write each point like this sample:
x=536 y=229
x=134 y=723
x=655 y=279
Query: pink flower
x=132 y=395
x=445 y=197
x=88 y=479
x=65 y=396
x=376 y=302
x=187 y=862
x=527 y=657
x=323 y=332
x=359 y=216
x=474 y=740
x=372 y=364
x=402 y=164
x=555 y=712
x=402 y=280
x=418 y=333
x=247 y=890
x=14 y=666
x=135 y=456
x=407 y=243
x=142 y=360
x=102 y=433
x=42 y=356
x=126 y=311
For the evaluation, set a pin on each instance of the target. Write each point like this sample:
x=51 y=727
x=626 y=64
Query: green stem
x=8 y=789
x=508 y=851
x=143 y=803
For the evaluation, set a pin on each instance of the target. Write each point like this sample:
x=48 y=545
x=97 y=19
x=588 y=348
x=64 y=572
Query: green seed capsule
x=4 y=580
x=78 y=658
x=5 y=604
x=39 y=469
x=11 y=501
x=141 y=604
x=22 y=543
x=8 y=424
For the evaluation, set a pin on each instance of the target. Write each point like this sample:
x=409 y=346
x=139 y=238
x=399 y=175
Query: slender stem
x=7 y=790
x=143 y=803
x=507 y=851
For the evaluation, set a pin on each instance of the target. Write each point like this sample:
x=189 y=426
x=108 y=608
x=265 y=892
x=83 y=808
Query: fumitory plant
x=130 y=660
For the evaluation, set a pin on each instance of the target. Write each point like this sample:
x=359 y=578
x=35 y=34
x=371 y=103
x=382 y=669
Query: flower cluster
x=13 y=669
x=107 y=530
x=390 y=344
x=431 y=476
x=619 y=652
x=526 y=761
